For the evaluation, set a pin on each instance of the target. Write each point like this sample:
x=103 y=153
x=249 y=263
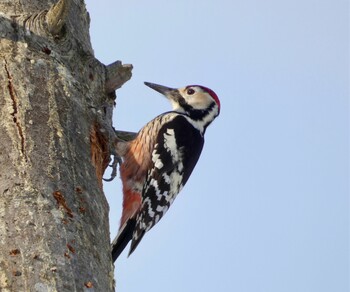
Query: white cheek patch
x=199 y=101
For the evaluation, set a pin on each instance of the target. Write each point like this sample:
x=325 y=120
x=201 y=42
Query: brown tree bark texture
x=56 y=105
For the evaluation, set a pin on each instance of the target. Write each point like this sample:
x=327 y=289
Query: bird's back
x=174 y=156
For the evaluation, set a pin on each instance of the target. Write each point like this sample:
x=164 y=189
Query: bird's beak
x=170 y=93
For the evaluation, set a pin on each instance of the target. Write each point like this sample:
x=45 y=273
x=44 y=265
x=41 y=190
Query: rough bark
x=56 y=104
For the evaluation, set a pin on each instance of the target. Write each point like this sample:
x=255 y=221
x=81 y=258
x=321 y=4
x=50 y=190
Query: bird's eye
x=190 y=91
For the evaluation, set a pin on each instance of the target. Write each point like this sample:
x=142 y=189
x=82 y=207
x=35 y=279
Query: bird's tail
x=123 y=238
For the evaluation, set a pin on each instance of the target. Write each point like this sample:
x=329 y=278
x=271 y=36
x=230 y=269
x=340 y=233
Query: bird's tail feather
x=123 y=238
x=135 y=242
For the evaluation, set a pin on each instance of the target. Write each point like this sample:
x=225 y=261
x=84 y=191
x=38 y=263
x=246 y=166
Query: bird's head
x=198 y=102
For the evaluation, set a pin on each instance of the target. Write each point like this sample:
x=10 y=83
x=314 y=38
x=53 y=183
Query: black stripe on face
x=182 y=102
x=196 y=114
x=177 y=97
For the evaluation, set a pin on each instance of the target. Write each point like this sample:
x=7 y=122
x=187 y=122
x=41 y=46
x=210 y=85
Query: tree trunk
x=56 y=104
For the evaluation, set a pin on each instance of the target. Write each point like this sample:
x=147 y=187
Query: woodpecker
x=158 y=162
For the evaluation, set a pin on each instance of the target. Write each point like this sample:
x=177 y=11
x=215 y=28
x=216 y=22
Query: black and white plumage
x=158 y=163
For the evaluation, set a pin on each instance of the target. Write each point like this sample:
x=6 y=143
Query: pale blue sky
x=267 y=207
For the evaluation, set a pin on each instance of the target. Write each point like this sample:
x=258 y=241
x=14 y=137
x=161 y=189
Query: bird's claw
x=115 y=161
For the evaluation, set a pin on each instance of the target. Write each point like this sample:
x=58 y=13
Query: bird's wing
x=176 y=152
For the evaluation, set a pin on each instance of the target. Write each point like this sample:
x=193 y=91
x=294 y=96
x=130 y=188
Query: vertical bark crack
x=14 y=114
x=99 y=152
